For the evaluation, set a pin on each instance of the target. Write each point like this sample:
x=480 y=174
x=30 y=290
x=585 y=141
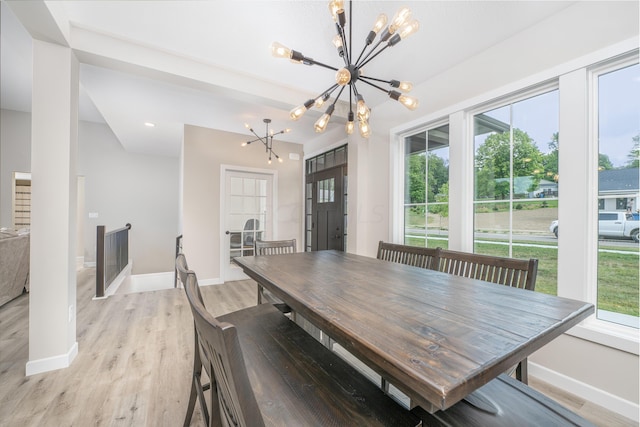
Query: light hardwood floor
x=134 y=362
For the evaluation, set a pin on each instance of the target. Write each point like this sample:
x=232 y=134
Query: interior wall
x=15 y=156
x=205 y=150
x=121 y=188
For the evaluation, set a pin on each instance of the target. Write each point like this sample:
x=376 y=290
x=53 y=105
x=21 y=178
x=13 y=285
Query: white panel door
x=248 y=216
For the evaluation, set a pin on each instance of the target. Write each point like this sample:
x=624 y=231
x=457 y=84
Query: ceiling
x=207 y=63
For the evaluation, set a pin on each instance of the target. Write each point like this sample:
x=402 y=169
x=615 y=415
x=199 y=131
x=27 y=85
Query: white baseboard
x=113 y=287
x=89 y=264
x=585 y=391
x=208 y=282
x=52 y=363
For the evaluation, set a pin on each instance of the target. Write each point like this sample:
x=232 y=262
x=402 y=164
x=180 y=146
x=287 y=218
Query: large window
x=516 y=183
x=426 y=188
x=618 y=131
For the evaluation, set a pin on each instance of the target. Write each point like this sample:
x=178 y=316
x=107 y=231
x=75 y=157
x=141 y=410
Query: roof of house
x=616 y=180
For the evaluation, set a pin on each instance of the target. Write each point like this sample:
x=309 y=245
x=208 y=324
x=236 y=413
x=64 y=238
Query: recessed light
x=149 y=124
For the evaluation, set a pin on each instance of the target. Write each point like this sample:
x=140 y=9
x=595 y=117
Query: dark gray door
x=328 y=212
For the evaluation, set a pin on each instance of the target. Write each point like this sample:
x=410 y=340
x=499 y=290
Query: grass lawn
x=618 y=273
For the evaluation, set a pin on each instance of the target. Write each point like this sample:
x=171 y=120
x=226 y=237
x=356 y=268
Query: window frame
x=572 y=75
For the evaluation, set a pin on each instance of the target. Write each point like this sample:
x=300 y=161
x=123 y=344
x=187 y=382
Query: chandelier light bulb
x=409 y=28
x=350 y=125
x=321 y=123
x=335 y=8
x=405 y=87
x=337 y=41
x=381 y=21
x=362 y=110
x=408 y=101
x=401 y=16
x=280 y=51
x=244 y=144
x=299 y=111
x=365 y=130
x=343 y=76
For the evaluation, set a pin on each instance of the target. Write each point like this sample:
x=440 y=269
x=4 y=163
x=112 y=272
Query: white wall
x=124 y=187
x=121 y=187
x=205 y=150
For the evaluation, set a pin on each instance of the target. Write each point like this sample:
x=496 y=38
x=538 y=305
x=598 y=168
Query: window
x=426 y=189
x=617 y=90
x=516 y=183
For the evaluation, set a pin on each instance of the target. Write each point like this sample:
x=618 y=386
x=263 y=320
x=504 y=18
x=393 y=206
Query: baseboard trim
x=113 y=286
x=585 y=391
x=89 y=264
x=208 y=282
x=52 y=363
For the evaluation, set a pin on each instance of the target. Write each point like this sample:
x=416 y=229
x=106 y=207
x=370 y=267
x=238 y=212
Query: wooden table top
x=435 y=336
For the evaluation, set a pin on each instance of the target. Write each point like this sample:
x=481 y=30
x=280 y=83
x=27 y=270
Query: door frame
x=222 y=219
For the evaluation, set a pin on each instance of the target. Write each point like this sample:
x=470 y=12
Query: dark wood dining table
x=435 y=336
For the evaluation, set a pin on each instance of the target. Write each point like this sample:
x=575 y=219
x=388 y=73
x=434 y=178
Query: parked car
x=612 y=224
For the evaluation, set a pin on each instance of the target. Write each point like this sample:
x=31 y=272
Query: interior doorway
x=247 y=216
x=326 y=201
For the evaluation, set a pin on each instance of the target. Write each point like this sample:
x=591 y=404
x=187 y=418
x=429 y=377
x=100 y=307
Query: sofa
x=14 y=265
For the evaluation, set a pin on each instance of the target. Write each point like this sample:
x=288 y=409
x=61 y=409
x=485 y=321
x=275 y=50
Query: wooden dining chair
x=197 y=388
x=517 y=273
x=409 y=255
x=269 y=371
x=274 y=247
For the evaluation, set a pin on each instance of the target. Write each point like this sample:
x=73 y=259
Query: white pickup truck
x=612 y=224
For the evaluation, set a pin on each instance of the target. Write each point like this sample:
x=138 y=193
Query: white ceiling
x=207 y=63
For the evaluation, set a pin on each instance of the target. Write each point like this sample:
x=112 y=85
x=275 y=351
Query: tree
x=417 y=169
x=634 y=154
x=550 y=160
x=493 y=162
x=438 y=174
x=604 y=163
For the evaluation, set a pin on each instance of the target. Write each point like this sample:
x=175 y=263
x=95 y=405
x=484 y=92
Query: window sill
x=612 y=335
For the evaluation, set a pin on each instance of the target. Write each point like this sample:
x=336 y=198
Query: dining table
x=436 y=337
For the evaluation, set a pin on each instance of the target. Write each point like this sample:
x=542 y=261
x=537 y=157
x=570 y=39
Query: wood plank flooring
x=134 y=362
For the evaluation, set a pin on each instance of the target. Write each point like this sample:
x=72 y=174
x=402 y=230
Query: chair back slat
x=409 y=255
x=517 y=273
x=223 y=354
x=275 y=247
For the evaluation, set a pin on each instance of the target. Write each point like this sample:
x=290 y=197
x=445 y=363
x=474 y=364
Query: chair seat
x=297 y=381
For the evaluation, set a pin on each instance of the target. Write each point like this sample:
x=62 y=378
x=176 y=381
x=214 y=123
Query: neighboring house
x=619 y=189
x=522 y=185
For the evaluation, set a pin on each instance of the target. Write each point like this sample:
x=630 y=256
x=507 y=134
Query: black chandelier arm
x=389 y=82
x=345 y=51
x=338 y=97
x=255 y=140
x=376 y=86
x=312 y=61
x=329 y=91
x=371 y=58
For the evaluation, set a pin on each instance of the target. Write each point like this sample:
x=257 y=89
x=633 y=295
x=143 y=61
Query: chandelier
x=401 y=27
x=267 y=140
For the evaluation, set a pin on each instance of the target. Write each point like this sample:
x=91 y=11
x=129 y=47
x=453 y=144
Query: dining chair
x=409 y=255
x=269 y=371
x=274 y=247
x=517 y=273
x=197 y=388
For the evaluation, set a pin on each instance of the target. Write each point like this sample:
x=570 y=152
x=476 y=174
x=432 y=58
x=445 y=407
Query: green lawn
x=618 y=273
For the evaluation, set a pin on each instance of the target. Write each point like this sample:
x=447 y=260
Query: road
x=543 y=239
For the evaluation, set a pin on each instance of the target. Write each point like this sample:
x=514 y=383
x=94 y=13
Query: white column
x=54 y=134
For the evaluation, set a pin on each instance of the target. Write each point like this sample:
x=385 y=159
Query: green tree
x=634 y=154
x=604 y=163
x=493 y=162
x=550 y=160
x=438 y=174
x=417 y=167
